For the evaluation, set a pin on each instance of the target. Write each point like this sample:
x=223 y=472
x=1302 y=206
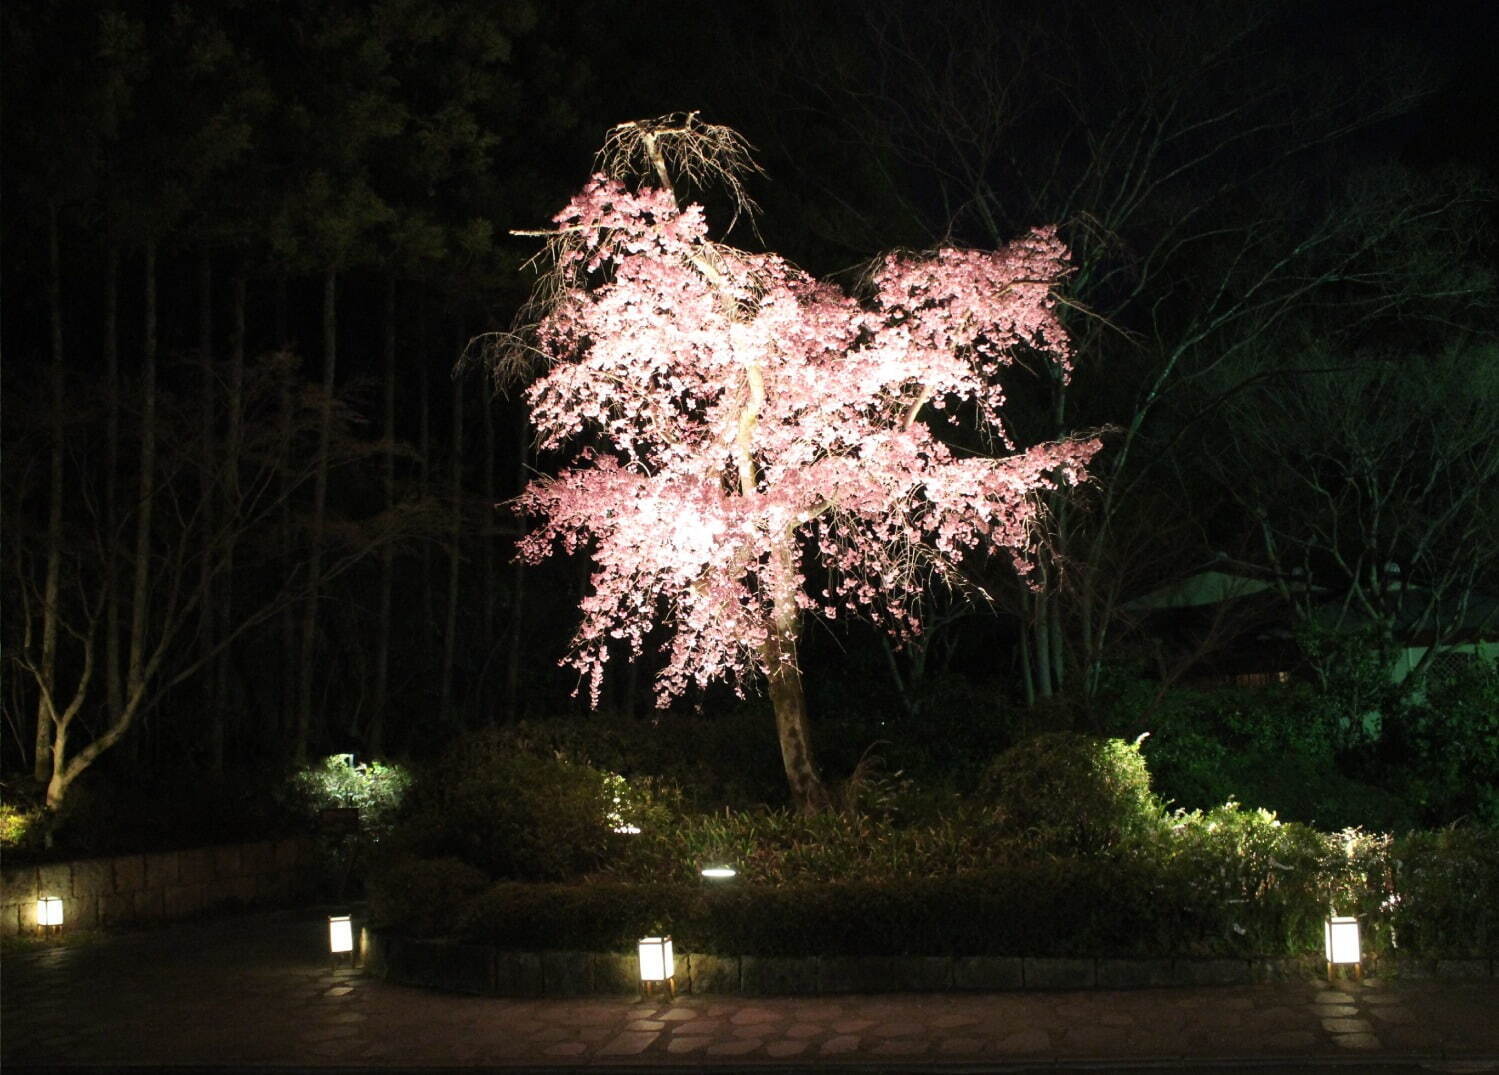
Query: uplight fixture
x=719 y=873
x=1342 y=945
x=49 y=914
x=657 y=964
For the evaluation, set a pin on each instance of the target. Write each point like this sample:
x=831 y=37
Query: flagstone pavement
x=260 y=991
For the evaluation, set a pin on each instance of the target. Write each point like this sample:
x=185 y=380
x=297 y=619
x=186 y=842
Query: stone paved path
x=259 y=991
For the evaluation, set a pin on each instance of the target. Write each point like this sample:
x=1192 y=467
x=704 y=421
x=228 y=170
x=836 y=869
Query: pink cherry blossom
x=743 y=422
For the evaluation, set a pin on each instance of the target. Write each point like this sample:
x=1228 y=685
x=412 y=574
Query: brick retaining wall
x=157 y=887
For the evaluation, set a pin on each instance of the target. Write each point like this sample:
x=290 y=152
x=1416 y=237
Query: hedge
x=1443 y=904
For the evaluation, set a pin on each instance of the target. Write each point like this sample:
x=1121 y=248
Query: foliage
x=109 y=813
x=1240 y=880
x=18 y=826
x=1126 y=879
x=1272 y=746
x=705 y=760
x=376 y=789
x=1229 y=883
x=599 y=915
x=787 y=848
x=1444 y=746
x=515 y=814
x=421 y=895
x=739 y=403
x=1446 y=886
x=1074 y=793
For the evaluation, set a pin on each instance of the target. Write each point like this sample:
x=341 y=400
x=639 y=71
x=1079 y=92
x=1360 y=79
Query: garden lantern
x=657 y=964
x=341 y=937
x=718 y=873
x=1342 y=945
x=49 y=914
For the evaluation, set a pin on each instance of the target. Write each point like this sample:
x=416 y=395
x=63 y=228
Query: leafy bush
x=376 y=789
x=597 y=916
x=1074 y=793
x=109 y=811
x=1446 y=891
x=511 y=814
x=1072 y=855
x=1274 y=747
x=419 y=896
x=1444 y=748
x=1240 y=881
x=781 y=847
x=19 y=828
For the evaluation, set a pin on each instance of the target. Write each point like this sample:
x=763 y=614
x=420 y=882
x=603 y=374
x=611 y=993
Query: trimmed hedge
x=1431 y=894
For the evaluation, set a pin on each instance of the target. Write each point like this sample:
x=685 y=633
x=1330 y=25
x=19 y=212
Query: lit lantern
x=657 y=963
x=1342 y=945
x=718 y=873
x=340 y=936
x=49 y=914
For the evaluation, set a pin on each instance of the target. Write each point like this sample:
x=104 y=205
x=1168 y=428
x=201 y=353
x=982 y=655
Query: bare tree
x=181 y=554
x=1174 y=145
x=1373 y=483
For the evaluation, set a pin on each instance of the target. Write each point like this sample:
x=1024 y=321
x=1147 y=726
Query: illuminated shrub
x=1074 y=793
x=376 y=789
x=17 y=826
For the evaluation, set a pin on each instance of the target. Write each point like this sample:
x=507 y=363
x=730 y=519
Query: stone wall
x=159 y=886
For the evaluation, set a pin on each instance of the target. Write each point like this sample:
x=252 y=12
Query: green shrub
x=1239 y=880
x=1444 y=748
x=597 y=916
x=782 y=847
x=1074 y=793
x=1274 y=747
x=1446 y=898
x=376 y=789
x=420 y=897
x=19 y=828
x=511 y=814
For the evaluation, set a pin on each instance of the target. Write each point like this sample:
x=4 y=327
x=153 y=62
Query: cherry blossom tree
x=753 y=446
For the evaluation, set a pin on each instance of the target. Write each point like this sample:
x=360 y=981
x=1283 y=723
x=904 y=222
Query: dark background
x=1259 y=181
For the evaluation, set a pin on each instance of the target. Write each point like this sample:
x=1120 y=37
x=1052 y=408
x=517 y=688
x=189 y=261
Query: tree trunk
x=487 y=552
x=424 y=483
x=319 y=510
x=114 y=688
x=42 y=759
x=233 y=441
x=787 y=698
x=289 y=678
x=1027 y=673
x=1041 y=643
x=375 y=738
x=516 y=634
x=455 y=538
x=135 y=673
x=1055 y=647
x=208 y=509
